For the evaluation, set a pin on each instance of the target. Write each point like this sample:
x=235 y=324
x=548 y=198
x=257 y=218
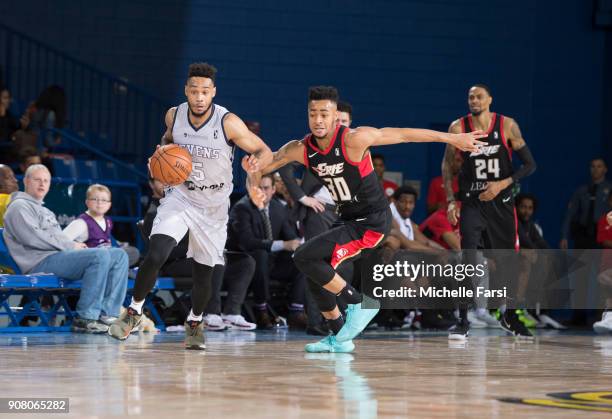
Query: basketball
x=171 y=164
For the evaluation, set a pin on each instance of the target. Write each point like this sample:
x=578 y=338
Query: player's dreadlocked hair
x=323 y=93
x=202 y=70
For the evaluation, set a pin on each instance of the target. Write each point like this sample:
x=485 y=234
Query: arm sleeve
x=23 y=224
x=242 y=224
x=77 y=230
x=287 y=174
x=528 y=166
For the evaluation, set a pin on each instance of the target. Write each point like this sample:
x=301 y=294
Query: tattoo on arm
x=516 y=136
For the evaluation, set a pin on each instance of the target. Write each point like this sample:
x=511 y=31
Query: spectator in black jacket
x=271 y=239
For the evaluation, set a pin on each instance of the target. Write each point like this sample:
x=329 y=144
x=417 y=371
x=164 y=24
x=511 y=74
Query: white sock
x=481 y=311
x=193 y=317
x=137 y=305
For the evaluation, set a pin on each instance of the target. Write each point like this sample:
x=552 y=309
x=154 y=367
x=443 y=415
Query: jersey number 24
x=487 y=167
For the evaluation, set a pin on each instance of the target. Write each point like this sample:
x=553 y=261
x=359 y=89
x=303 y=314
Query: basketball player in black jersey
x=340 y=159
x=488 y=217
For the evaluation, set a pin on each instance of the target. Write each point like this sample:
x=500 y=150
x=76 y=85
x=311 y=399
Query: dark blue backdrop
x=401 y=63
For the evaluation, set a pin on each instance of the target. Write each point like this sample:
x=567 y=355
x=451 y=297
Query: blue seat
x=87 y=169
x=7 y=263
x=63 y=166
x=108 y=170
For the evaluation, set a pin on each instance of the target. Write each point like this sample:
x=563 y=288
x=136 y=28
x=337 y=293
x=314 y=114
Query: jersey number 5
x=482 y=168
x=197 y=173
x=338 y=189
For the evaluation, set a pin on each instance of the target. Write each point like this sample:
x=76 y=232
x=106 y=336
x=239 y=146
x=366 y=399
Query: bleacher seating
x=87 y=169
x=37 y=285
x=63 y=165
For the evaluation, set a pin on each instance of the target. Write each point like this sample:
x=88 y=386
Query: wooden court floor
x=267 y=375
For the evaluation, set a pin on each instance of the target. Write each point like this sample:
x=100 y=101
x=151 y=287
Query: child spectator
x=93 y=227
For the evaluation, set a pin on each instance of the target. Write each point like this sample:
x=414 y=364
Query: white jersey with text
x=212 y=154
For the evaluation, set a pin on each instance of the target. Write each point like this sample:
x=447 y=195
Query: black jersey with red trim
x=492 y=162
x=354 y=186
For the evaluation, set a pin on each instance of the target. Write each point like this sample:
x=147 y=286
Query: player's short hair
x=485 y=87
x=269 y=176
x=323 y=93
x=96 y=187
x=345 y=107
x=378 y=156
x=202 y=70
x=523 y=196
x=405 y=190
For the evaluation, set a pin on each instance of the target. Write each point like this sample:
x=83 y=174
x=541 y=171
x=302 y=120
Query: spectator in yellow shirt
x=8 y=185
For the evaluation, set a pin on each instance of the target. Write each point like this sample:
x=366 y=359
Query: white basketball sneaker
x=237 y=322
x=605 y=324
x=214 y=322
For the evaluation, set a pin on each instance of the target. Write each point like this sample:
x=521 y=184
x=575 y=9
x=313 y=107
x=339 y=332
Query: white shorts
x=207 y=227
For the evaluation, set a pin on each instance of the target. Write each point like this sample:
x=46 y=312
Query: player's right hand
x=468 y=141
x=453 y=212
x=313 y=203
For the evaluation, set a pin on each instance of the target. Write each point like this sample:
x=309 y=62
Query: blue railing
x=101 y=107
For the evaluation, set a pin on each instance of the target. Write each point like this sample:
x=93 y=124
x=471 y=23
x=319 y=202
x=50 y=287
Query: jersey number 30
x=484 y=167
x=338 y=189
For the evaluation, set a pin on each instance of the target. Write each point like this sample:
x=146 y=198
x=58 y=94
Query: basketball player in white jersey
x=198 y=207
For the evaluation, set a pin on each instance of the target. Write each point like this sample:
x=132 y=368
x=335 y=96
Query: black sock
x=350 y=295
x=463 y=315
x=336 y=324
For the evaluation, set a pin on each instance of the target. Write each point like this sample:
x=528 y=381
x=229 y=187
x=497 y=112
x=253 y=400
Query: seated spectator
x=436 y=194
x=271 y=239
x=604 y=239
x=438 y=228
x=37 y=243
x=530 y=238
x=8 y=185
x=405 y=233
x=378 y=161
x=8 y=123
x=28 y=156
x=46 y=112
x=235 y=276
x=94 y=228
x=530 y=234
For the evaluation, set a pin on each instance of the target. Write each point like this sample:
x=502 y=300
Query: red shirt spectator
x=389 y=187
x=436 y=195
x=437 y=228
x=604 y=233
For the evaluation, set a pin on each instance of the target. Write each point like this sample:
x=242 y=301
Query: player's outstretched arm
x=260 y=154
x=293 y=151
x=368 y=137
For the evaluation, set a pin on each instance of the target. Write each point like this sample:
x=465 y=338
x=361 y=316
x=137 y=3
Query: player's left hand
x=469 y=141
x=493 y=189
x=257 y=195
x=250 y=164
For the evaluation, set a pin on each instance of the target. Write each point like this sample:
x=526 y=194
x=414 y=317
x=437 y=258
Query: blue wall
x=401 y=63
